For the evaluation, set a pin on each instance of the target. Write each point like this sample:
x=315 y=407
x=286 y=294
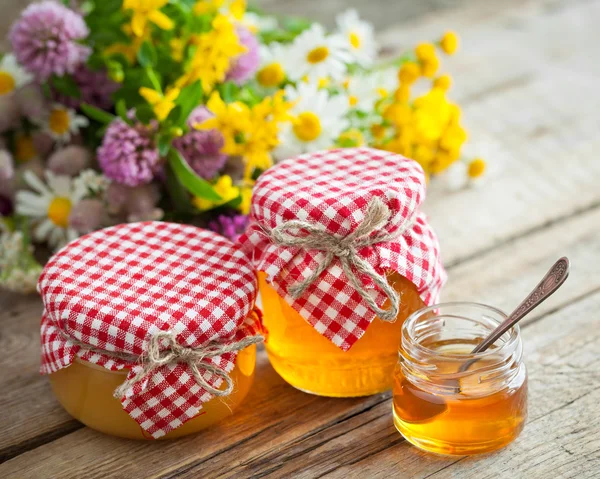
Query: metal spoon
x=552 y=280
x=435 y=405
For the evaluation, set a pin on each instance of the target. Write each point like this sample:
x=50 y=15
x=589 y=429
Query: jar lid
x=117 y=296
x=326 y=227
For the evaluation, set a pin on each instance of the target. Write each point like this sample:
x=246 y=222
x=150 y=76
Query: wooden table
x=527 y=75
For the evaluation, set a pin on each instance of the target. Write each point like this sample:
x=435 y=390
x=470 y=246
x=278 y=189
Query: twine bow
x=346 y=250
x=157 y=355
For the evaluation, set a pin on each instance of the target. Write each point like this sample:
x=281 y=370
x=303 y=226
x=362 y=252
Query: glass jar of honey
x=450 y=401
x=149 y=329
x=344 y=256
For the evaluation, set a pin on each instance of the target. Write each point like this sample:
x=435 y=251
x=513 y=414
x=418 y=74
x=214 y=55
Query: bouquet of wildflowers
x=131 y=110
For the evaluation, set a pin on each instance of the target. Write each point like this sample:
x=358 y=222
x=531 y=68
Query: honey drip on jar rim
x=460 y=422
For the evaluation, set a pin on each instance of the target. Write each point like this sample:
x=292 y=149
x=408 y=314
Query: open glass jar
x=149 y=329
x=343 y=256
x=449 y=401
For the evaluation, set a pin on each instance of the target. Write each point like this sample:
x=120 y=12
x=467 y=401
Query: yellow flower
x=161 y=104
x=214 y=51
x=129 y=50
x=443 y=82
x=449 y=43
x=145 y=11
x=248 y=132
x=204 y=7
x=402 y=94
x=425 y=51
x=430 y=66
x=409 y=73
x=224 y=188
x=476 y=168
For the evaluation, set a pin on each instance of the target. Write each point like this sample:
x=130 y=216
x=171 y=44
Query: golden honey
x=310 y=362
x=443 y=408
x=85 y=390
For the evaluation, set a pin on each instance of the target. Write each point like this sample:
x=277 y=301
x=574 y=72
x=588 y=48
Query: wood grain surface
x=526 y=75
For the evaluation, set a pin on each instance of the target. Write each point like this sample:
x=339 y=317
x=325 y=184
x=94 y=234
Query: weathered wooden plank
x=29 y=412
x=298 y=430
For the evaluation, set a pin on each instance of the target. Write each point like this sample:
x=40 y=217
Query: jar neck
x=436 y=344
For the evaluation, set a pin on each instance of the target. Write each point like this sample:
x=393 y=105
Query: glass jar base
x=445 y=448
x=347 y=380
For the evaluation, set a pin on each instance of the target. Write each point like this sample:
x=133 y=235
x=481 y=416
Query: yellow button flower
x=161 y=104
x=449 y=43
x=476 y=168
x=409 y=73
x=443 y=82
x=425 y=51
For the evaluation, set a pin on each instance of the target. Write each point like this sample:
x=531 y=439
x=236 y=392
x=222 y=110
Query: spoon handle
x=553 y=279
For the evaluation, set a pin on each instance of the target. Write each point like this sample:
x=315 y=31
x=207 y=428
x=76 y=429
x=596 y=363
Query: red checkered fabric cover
x=114 y=288
x=333 y=188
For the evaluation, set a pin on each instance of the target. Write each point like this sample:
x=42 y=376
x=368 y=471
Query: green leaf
x=66 y=85
x=164 y=143
x=121 y=110
x=174 y=115
x=229 y=91
x=97 y=114
x=189 y=179
x=146 y=55
x=154 y=80
x=178 y=195
x=144 y=113
x=190 y=97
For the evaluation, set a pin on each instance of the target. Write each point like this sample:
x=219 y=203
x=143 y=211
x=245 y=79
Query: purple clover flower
x=45 y=39
x=128 y=154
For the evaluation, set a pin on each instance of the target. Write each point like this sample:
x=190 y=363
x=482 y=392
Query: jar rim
x=506 y=347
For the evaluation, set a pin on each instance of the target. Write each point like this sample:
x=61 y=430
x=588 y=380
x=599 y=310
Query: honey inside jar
x=310 y=362
x=442 y=408
x=85 y=390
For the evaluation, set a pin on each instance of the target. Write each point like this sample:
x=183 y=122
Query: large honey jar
x=344 y=256
x=149 y=329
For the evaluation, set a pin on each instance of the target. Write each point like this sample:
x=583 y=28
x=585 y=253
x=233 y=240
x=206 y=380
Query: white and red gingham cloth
x=114 y=288
x=333 y=189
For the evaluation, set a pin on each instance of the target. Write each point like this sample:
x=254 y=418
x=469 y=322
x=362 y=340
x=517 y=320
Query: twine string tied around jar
x=346 y=250
x=157 y=355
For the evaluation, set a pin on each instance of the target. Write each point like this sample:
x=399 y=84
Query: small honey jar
x=343 y=257
x=450 y=401
x=149 y=329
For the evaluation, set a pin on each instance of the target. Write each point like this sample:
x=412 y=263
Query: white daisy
x=62 y=122
x=273 y=65
x=258 y=23
x=315 y=55
x=359 y=37
x=50 y=205
x=318 y=120
x=12 y=75
x=362 y=91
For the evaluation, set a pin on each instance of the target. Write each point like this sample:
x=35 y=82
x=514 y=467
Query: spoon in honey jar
x=436 y=405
